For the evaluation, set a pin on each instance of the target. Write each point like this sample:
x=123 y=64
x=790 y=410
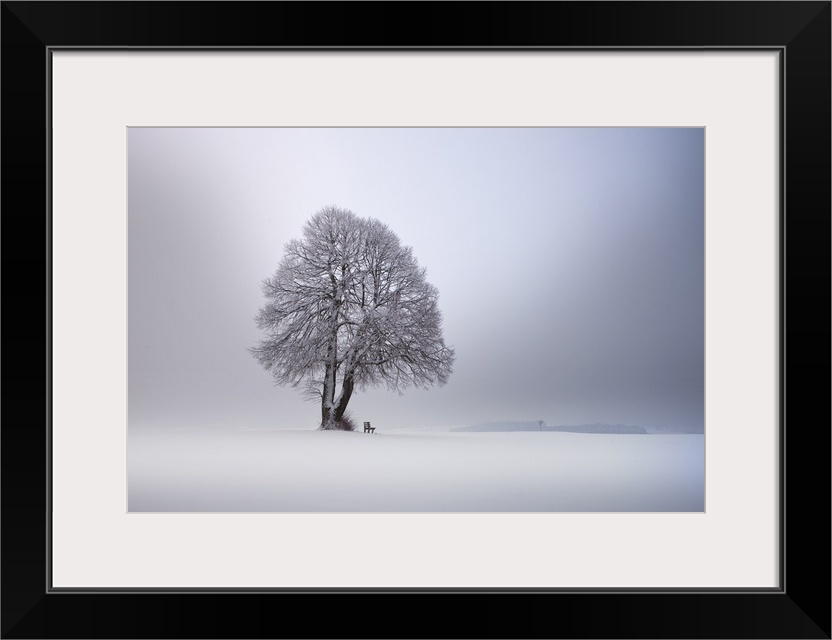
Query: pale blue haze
x=570 y=266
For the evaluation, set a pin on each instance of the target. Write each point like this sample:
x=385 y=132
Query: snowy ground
x=400 y=471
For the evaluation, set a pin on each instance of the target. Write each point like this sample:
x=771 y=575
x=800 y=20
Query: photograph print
x=390 y=320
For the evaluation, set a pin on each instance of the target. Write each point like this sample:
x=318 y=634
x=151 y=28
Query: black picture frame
x=798 y=608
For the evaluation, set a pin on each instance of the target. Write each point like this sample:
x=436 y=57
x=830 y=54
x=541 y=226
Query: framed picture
x=588 y=311
x=114 y=107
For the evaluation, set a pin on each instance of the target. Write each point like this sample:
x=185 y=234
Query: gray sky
x=569 y=262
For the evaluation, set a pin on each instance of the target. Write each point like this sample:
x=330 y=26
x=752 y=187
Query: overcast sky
x=569 y=263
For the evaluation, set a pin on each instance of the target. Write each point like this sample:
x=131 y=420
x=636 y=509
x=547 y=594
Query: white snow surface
x=412 y=471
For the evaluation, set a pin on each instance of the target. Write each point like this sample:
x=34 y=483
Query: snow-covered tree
x=347 y=308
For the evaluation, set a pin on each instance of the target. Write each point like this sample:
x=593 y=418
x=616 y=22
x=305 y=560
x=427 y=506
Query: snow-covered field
x=416 y=471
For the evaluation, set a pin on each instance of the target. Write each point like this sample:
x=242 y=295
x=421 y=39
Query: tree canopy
x=349 y=305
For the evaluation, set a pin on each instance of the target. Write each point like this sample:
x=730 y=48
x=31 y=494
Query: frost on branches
x=349 y=307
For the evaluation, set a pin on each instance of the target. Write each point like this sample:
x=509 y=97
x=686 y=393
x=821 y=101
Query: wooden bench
x=368 y=428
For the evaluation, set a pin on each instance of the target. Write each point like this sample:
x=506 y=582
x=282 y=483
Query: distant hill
x=537 y=426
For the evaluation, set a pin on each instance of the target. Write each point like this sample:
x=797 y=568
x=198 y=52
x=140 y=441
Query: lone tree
x=350 y=306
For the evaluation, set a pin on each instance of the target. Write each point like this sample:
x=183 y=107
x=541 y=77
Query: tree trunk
x=346 y=393
x=327 y=399
x=331 y=363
